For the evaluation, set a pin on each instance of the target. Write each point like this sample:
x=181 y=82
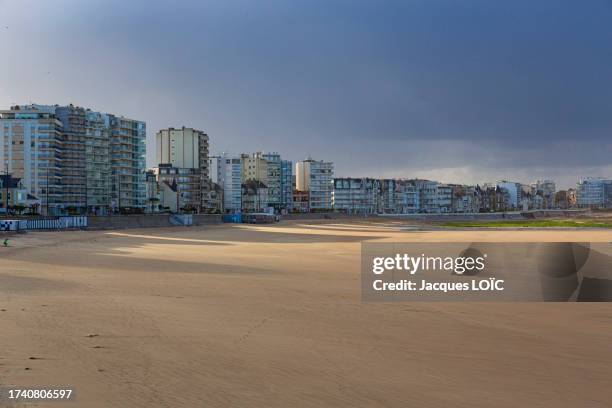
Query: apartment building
x=254 y=196
x=398 y=196
x=321 y=185
x=188 y=186
x=382 y=196
x=407 y=197
x=356 y=195
x=128 y=162
x=465 y=199
x=543 y=193
x=153 y=193
x=274 y=179
x=514 y=192
x=286 y=185
x=428 y=195
x=254 y=167
x=565 y=199
x=182 y=159
x=316 y=177
x=498 y=198
x=594 y=193
x=215 y=199
x=73 y=159
x=255 y=182
x=226 y=171
x=444 y=198
x=73 y=156
x=387 y=200
x=30 y=150
x=92 y=173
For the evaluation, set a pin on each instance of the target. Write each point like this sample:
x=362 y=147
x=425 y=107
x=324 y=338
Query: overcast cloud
x=457 y=91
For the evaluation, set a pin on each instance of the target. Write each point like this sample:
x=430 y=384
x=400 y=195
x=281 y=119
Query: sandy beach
x=271 y=316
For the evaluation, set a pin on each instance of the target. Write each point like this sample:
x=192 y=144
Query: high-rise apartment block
x=182 y=161
x=75 y=160
x=226 y=171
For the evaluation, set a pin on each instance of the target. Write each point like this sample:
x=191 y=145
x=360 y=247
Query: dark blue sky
x=469 y=91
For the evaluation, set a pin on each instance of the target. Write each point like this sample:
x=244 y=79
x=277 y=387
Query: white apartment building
x=226 y=171
x=30 y=143
x=181 y=148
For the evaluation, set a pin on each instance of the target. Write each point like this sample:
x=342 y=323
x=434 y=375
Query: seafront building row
x=71 y=160
x=408 y=196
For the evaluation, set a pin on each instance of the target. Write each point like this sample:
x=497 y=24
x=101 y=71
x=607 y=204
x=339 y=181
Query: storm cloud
x=459 y=91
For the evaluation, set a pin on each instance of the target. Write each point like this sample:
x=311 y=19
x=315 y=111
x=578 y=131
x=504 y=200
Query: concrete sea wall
x=151 y=221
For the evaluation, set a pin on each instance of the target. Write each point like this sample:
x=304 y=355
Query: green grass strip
x=532 y=223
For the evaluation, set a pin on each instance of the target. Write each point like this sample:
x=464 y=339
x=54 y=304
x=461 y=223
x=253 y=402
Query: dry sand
x=270 y=316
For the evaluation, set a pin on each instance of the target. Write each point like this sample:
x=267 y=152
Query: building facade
x=14 y=196
x=406 y=197
x=398 y=196
x=254 y=167
x=187 y=185
x=153 y=194
x=226 y=171
x=300 y=201
x=514 y=192
x=182 y=158
x=465 y=199
x=565 y=199
x=594 y=193
x=75 y=160
x=274 y=179
x=428 y=195
x=356 y=195
x=286 y=185
x=128 y=162
x=543 y=193
x=316 y=177
x=30 y=149
x=254 y=196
